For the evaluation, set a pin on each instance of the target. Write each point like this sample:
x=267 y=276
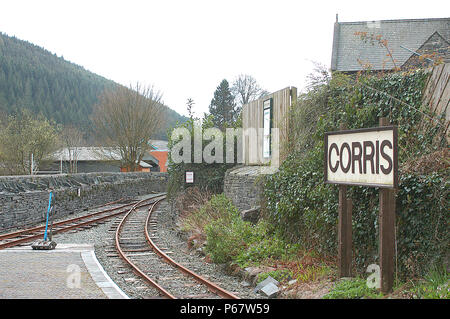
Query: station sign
x=366 y=157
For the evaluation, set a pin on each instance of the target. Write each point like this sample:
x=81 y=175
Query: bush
x=218 y=207
x=265 y=244
x=226 y=239
x=230 y=239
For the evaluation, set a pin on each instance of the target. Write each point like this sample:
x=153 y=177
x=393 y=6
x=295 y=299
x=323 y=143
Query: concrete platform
x=67 y=272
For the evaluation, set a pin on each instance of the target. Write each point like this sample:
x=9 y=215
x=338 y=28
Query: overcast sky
x=185 y=48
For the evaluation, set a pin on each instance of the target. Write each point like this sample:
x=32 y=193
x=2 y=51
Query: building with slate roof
x=104 y=159
x=93 y=159
x=406 y=39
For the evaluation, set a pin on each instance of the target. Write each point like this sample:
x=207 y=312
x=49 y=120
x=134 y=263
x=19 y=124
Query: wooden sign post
x=365 y=157
x=344 y=231
x=387 y=231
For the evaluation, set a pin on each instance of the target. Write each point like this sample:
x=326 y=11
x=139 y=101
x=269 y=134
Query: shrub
x=218 y=207
x=265 y=244
x=226 y=239
x=230 y=239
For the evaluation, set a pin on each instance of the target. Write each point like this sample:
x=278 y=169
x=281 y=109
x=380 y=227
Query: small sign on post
x=189 y=177
x=364 y=157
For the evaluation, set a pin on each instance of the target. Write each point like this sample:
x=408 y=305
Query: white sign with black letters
x=365 y=157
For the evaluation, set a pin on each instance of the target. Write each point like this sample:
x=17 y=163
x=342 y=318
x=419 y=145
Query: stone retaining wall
x=243 y=185
x=24 y=199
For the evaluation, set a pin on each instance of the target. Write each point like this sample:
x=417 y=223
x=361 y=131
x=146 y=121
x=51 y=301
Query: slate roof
x=98 y=154
x=159 y=145
x=410 y=33
x=89 y=154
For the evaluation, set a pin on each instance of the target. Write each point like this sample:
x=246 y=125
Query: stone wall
x=243 y=185
x=84 y=166
x=24 y=199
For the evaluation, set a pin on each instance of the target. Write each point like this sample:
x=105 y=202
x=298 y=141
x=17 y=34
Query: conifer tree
x=223 y=107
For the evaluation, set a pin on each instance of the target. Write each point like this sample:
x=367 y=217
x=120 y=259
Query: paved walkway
x=67 y=272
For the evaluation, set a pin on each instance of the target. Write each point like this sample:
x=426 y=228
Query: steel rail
x=211 y=286
x=129 y=262
x=63 y=222
x=77 y=225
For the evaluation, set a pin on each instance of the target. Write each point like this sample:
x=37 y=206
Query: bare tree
x=126 y=119
x=246 y=89
x=318 y=77
x=71 y=139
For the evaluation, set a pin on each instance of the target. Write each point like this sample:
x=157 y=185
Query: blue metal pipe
x=48 y=213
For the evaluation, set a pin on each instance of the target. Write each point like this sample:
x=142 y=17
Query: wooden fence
x=437 y=92
x=252 y=125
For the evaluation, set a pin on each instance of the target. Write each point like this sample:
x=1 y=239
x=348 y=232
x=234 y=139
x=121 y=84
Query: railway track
x=136 y=242
x=25 y=236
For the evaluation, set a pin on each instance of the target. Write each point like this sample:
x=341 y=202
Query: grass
x=435 y=285
x=354 y=288
x=312 y=273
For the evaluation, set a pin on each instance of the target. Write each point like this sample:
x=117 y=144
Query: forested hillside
x=33 y=78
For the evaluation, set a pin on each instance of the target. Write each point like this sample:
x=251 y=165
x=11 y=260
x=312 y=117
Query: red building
x=159 y=150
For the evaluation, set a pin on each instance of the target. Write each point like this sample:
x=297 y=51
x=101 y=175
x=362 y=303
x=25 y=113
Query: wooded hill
x=34 y=78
